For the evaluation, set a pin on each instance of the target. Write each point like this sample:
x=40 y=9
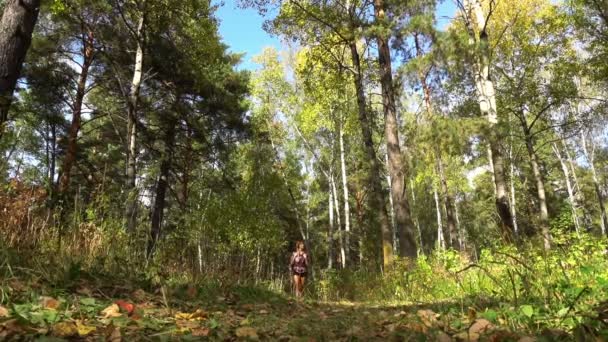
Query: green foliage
x=530 y=288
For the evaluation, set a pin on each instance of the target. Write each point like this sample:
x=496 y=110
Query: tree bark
x=16 y=26
x=377 y=196
x=440 y=236
x=345 y=191
x=590 y=155
x=486 y=98
x=572 y=200
x=391 y=206
x=403 y=220
x=81 y=91
x=540 y=184
x=338 y=219
x=330 y=233
x=161 y=185
x=450 y=216
x=512 y=202
x=131 y=210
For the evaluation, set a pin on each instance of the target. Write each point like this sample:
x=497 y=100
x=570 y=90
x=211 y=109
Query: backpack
x=299 y=262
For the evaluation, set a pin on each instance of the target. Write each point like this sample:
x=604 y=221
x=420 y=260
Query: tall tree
x=16 y=27
x=476 y=21
x=396 y=168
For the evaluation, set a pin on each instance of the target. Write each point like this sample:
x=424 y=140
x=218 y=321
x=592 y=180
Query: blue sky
x=241 y=29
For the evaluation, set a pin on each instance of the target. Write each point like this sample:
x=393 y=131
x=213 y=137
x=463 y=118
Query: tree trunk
x=391 y=206
x=416 y=222
x=578 y=194
x=590 y=155
x=512 y=203
x=330 y=234
x=486 y=98
x=540 y=185
x=403 y=220
x=81 y=90
x=131 y=210
x=334 y=189
x=161 y=185
x=377 y=196
x=16 y=26
x=440 y=237
x=345 y=190
x=572 y=200
x=450 y=216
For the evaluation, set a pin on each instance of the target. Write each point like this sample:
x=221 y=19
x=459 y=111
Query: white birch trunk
x=572 y=200
x=338 y=221
x=590 y=155
x=132 y=123
x=345 y=189
x=513 y=202
x=440 y=239
x=330 y=235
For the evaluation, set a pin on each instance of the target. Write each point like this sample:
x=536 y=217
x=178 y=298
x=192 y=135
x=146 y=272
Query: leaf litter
x=139 y=314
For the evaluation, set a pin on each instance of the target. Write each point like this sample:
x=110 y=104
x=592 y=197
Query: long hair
x=299 y=244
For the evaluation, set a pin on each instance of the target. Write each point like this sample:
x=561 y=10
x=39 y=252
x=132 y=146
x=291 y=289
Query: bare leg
x=296 y=284
x=302 y=279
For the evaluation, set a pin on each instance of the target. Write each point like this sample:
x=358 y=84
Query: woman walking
x=299 y=268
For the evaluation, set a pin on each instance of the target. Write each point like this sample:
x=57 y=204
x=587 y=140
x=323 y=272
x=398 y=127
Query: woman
x=299 y=267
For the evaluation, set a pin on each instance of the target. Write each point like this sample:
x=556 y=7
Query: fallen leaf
x=114 y=335
x=201 y=332
x=428 y=317
x=353 y=331
x=84 y=291
x=501 y=336
x=139 y=295
x=187 y=325
x=399 y=314
x=417 y=327
x=527 y=339
x=196 y=315
x=125 y=306
x=84 y=330
x=467 y=337
x=111 y=311
x=247 y=332
x=191 y=292
x=3 y=312
x=247 y=307
x=472 y=314
x=481 y=326
x=64 y=329
x=443 y=337
x=48 y=302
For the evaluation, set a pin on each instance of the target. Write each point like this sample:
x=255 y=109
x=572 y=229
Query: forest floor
x=89 y=311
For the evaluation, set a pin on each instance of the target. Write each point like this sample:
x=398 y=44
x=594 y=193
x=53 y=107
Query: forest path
x=87 y=312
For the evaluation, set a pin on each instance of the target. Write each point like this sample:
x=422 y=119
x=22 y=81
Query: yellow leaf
x=196 y=315
x=64 y=329
x=247 y=332
x=84 y=330
x=3 y=311
x=111 y=311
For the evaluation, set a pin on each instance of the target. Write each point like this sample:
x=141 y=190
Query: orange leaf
x=49 y=302
x=125 y=306
x=3 y=312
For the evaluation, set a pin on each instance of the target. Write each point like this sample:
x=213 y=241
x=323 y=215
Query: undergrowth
x=526 y=288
